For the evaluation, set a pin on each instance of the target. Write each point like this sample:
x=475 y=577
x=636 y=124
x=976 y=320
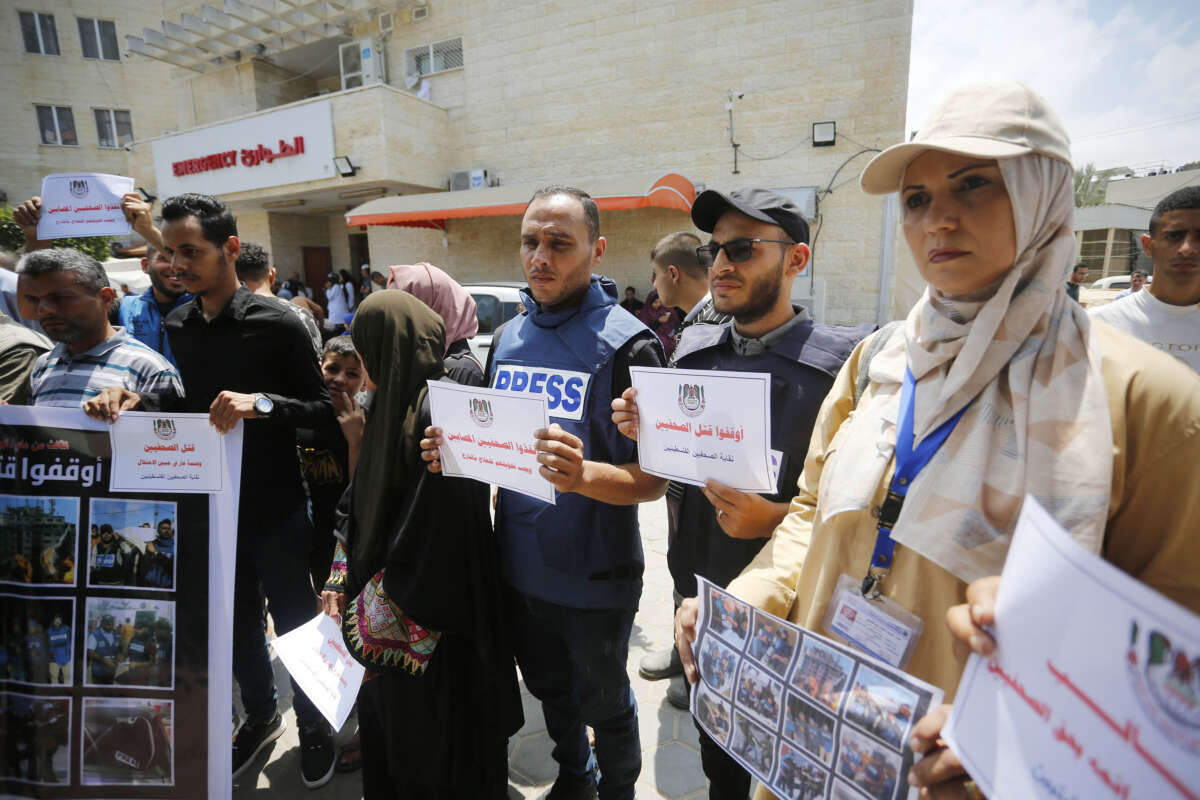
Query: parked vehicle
x=495 y=304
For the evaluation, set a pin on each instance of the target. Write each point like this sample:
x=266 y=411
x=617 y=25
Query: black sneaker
x=678 y=694
x=250 y=740
x=318 y=756
x=573 y=787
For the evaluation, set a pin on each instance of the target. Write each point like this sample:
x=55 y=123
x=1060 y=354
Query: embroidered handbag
x=378 y=634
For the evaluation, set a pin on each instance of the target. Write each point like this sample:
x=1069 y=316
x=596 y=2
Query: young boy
x=328 y=454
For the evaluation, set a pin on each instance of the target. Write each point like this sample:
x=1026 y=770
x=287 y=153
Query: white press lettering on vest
x=565 y=390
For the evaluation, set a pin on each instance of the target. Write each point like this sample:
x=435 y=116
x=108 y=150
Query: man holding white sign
x=574 y=569
x=759 y=245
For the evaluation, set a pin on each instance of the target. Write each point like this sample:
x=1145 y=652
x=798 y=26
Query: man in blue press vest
x=759 y=246
x=574 y=570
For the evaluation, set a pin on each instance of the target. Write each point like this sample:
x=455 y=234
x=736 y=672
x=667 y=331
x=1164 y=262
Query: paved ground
x=671 y=760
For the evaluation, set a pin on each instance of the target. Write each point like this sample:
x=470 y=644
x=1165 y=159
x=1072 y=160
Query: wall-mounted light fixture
x=824 y=134
x=344 y=166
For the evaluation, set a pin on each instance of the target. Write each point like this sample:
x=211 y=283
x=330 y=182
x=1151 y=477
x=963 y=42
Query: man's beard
x=69 y=336
x=762 y=295
x=162 y=288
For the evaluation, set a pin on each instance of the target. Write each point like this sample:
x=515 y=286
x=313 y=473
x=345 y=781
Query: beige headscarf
x=1039 y=423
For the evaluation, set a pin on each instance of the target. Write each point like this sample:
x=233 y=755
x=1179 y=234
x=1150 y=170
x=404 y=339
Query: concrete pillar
x=1108 y=243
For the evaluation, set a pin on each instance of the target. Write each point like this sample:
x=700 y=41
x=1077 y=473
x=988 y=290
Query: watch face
x=263 y=405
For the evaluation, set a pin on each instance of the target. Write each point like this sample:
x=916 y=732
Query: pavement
x=670 y=749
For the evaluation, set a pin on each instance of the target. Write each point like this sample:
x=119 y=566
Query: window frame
x=37 y=26
x=96 y=39
x=57 y=125
x=112 y=120
x=426 y=50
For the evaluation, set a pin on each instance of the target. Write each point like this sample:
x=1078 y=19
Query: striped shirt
x=61 y=379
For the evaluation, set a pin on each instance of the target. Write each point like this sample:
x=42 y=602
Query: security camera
x=736 y=94
x=128 y=148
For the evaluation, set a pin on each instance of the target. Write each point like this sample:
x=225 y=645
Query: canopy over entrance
x=433 y=209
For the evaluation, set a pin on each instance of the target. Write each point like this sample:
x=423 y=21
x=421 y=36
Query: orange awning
x=433 y=209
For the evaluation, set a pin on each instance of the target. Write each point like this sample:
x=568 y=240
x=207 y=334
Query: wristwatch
x=263 y=405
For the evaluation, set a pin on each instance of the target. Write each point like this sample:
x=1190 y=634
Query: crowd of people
x=1021 y=391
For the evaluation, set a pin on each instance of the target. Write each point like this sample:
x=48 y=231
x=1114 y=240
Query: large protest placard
x=807 y=716
x=699 y=424
x=83 y=204
x=1094 y=688
x=487 y=435
x=117 y=608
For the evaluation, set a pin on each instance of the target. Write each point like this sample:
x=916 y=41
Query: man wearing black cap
x=759 y=245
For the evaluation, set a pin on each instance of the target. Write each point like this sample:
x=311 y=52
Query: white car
x=495 y=304
x=1114 y=282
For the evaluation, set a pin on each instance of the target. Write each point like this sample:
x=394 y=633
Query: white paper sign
x=159 y=453
x=318 y=661
x=809 y=717
x=487 y=435
x=83 y=204
x=699 y=424
x=1094 y=688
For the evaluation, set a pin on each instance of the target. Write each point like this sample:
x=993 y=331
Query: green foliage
x=11 y=238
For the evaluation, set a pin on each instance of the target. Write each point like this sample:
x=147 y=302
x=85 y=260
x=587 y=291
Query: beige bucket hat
x=999 y=120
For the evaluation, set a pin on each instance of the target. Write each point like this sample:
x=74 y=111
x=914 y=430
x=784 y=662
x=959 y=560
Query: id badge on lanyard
x=859 y=614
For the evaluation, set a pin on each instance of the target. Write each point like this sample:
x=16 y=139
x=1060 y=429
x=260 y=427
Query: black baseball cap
x=760 y=204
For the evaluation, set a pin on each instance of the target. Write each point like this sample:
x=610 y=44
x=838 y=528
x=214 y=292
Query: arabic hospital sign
x=292 y=145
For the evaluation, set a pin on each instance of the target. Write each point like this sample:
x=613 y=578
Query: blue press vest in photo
x=140 y=316
x=579 y=552
x=803 y=365
x=60 y=644
x=105 y=644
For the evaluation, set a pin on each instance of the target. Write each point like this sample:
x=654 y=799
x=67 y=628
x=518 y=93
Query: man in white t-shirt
x=1167 y=313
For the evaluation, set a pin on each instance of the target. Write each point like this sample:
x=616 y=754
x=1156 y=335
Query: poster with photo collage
x=108 y=603
x=807 y=716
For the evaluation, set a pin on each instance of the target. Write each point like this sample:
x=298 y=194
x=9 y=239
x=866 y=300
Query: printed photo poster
x=807 y=716
x=115 y=609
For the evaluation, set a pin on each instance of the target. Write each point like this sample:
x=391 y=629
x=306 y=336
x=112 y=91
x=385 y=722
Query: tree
x=1091 y=185
x=11 y=238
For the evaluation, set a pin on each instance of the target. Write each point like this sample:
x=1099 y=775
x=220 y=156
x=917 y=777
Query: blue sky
x=1124 y=77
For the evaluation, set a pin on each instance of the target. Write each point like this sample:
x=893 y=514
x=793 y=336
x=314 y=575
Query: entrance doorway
x=318 y=263
x=359 y=253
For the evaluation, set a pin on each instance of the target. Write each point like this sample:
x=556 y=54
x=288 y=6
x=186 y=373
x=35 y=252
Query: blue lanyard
x=910 y=460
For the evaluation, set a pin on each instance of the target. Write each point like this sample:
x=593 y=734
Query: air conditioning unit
x=386 y=21
x=420 y=12
x=362 y=63
x=478 y=178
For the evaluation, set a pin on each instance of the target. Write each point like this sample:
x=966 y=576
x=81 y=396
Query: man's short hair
x=1181 y=199
x=252 y=263
x=106 y=528
x=679 y=250
x=216 y=220
x=1136 y=272
x=88 y=272
x=1080 y=265
x=339 y=346
x=591 y=212
x=8 y=259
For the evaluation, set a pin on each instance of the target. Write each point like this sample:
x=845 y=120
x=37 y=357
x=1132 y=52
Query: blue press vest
x=579 y=552
x=802 y=365
x=60 y=644
x=140 y=316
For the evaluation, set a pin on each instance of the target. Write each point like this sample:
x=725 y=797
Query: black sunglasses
x=736 y=250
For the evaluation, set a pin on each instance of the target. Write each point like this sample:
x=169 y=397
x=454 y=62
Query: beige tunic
x=1153 y=515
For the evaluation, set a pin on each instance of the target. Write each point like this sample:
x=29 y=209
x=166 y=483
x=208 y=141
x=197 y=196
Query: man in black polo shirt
x=245 y=357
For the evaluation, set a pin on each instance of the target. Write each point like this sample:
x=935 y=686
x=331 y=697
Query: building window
x=99 y=39
x=113 y=128
x=57 y=124
x=433 y=58
x=39 y=32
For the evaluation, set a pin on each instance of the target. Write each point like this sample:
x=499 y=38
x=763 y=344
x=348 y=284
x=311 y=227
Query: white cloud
x=1102 y=70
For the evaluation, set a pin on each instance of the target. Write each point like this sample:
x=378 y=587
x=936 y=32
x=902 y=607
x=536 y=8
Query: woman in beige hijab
x=1024 y=392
